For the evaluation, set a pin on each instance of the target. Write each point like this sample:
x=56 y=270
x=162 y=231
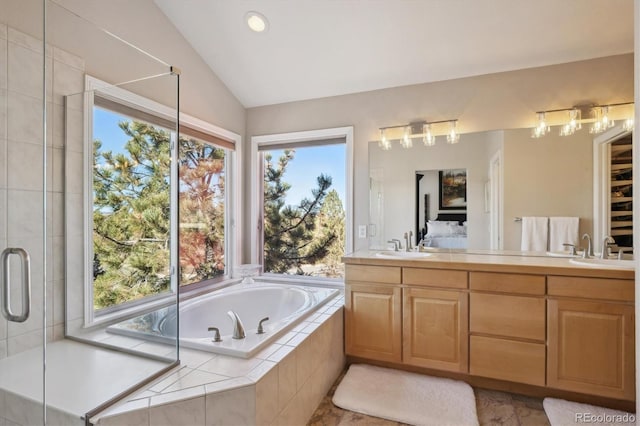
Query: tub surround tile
x=298 y=339
x=281 y=353
x=24 y=40
x=193 y=358
x=284 y=389
x=181 y=395
x=24 y=118
x=298 y=328
x=261 y=370
x=287 y=386
x=268 y=351
x=188 y=412
x=229 y=384
x=194 y=378
x=284 y=339
x=170 y=379
x=69 y=59
x=133 y=417
x=24 y=73
x=267 y=406
x=229 y=366
x=234 y=407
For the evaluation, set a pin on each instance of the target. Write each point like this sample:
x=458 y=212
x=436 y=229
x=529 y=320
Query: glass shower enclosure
x=88 y=197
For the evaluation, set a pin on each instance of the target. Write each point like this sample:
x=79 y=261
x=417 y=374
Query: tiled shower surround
x=21 y=194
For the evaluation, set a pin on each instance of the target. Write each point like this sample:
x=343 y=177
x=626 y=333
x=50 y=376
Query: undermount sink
x=560 y=254
x=402 y=254
x=604 y=263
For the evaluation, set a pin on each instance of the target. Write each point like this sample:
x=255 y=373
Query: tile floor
x=493 y=408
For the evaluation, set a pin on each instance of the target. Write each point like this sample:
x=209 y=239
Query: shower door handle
x=26 y=284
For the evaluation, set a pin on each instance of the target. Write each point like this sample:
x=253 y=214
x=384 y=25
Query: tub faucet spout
x=238 y=328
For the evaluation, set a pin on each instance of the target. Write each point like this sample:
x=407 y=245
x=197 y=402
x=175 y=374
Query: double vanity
x=543 y=326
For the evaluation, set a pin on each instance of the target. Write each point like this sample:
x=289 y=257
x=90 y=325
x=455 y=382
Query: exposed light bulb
x=628 y=125
x=453 y=136
x=542 y=128
x=406 y=141
x=384 y=142
x=429 y=138
x=602 y=121
x=574 y=123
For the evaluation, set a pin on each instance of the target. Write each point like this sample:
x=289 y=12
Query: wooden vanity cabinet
x=591 y=342
x=435 y=320
x=373 y=317
x=507 y=327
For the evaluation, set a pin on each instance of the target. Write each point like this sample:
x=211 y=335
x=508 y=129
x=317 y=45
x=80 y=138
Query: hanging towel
x=563 y=230
x=535 y=233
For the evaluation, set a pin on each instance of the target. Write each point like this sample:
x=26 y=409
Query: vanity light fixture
x=574 y=124
x=627 y=126
x=384 y=143
x=601 y=120
x=256 y=22
x=427 y=130
x=542 y=128
x=429 y=139
x=406 y=141
x=453 y=136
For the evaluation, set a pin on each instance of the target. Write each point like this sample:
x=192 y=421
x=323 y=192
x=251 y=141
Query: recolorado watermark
x=605 y=418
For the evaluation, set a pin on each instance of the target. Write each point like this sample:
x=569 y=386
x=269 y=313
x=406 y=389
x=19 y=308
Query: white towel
x=563 y=230
x=535 y=233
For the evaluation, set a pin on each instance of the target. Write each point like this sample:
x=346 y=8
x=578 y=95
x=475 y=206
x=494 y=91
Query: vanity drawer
x=507 y=283
x=373 y=274
x=509 y=316
x=592 y=288
x=434 y=277
x=510 y=360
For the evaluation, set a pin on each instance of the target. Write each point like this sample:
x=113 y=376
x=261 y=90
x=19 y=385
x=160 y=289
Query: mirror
x=508 y=175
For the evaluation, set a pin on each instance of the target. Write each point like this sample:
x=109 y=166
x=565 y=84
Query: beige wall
x=550 y=176
x=202 y=93
x=496 y=101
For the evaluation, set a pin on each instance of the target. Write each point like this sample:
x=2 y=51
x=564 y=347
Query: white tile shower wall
x=272 y=393
x=21 y=194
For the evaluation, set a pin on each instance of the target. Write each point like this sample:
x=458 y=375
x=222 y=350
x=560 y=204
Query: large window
x=303 y=203
x=134 y=216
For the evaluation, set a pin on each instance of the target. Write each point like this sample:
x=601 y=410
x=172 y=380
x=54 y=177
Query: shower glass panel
x=26 y=284
x=114 y=126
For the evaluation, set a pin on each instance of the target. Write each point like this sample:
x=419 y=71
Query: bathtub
x=285 y=305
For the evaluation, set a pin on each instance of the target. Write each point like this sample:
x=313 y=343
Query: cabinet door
x=435 y=325
x=373 y=321
x=591 y=348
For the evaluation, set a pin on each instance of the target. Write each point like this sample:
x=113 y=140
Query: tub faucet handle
x=238 y=328
x=260 y=329
x=216 y=337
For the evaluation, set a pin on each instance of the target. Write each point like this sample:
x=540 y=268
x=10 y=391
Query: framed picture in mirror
x=453 y=189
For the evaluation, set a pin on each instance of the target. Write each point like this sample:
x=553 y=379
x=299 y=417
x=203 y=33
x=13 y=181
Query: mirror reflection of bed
x=448 y=230
x=441 y=223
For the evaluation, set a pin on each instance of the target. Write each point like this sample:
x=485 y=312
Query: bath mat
x=406 y=397
x=561 y=413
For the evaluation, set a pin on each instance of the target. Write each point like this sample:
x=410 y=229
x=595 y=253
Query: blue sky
x=308 y=163
x=301 y=173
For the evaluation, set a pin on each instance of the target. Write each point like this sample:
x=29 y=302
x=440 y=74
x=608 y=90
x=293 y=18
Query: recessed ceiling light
x=257 y=22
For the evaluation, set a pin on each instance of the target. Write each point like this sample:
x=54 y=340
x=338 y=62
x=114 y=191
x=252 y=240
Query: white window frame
x=233 y=197
x=257 y=180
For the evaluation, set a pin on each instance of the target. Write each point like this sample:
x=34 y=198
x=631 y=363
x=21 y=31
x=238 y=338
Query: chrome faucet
x=396 y=244
x=587 y=253
x=606 y=243
x=238 y=328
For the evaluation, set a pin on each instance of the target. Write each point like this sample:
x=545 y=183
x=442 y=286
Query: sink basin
x=560 y=254
x=604 y=263
x=402 y=254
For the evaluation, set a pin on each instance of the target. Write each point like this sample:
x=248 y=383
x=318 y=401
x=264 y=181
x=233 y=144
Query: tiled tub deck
x=283 y=384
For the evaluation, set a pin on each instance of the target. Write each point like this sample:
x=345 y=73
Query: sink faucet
x=608 y=242
x=396 y=244
x=587 y=253
x=238 y=328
